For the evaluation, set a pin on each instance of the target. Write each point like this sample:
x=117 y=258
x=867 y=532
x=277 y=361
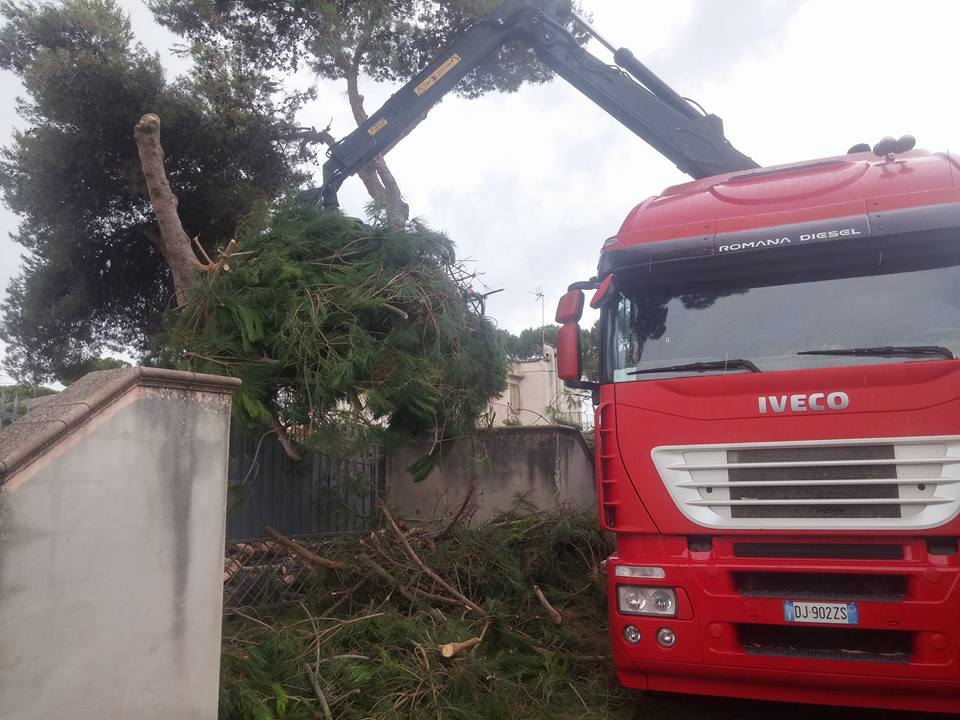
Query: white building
x=535 y=395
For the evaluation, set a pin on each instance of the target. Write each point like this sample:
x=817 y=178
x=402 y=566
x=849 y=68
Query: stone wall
x=112 y=497
x=534 y=468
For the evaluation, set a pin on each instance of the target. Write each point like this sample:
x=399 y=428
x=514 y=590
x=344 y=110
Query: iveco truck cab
x=778 y=432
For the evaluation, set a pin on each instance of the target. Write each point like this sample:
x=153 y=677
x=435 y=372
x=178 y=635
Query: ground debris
x=420 y=624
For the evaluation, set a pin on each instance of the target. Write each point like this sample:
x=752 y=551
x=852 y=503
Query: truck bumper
x=732 y=638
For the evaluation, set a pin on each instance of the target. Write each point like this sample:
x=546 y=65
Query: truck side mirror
x=569 y=346
x=569 y=353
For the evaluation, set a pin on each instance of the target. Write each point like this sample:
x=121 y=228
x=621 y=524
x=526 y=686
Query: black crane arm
x=693 y=141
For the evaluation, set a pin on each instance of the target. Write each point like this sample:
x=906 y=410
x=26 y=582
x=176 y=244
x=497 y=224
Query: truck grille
x=865 y=483
x=803 y=473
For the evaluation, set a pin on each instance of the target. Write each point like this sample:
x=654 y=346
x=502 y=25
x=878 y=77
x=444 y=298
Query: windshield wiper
x=724 y=365
x=888 y=351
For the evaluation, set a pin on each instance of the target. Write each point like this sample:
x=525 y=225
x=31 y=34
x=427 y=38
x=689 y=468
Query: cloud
x=716 y=37
x=530 y=184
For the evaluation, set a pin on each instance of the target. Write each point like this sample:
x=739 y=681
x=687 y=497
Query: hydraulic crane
x=777 y=407
x=628 y=91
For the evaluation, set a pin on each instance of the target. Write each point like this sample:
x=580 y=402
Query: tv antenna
x=538 y=295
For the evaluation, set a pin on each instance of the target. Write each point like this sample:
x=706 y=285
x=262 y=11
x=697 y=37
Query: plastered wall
x=111 y=551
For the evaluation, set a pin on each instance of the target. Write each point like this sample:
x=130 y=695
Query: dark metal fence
x=315 y=495
x=306 y=500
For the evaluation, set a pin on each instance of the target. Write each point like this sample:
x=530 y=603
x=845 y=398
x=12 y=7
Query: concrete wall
x=543 y=466
x=112 y=499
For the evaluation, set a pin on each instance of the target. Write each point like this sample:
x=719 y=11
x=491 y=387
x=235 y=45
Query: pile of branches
x=342 y=331
x=507 y=620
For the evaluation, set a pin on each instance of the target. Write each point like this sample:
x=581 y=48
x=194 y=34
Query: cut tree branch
x=307 y=136
x=451 y=650
x=448 y=530
x=411 y=592
x=573 y=657
x=345 y=597
x=551 y=611
x=298 y=549
x=173 y=242
x=284 y=437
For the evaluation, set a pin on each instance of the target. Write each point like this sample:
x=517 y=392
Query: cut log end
x=149 y=125
x=451 y=650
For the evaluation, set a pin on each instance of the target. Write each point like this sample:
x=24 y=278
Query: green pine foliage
x=377 y=657
x=343 y=331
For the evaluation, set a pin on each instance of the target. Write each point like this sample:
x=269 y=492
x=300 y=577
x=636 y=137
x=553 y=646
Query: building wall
x=111 y=551
x=531 y=468
x=535 y=394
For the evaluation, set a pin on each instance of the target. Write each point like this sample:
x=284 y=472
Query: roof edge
x=60 y=414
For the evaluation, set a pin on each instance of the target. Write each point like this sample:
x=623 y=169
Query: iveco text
x=801 y=403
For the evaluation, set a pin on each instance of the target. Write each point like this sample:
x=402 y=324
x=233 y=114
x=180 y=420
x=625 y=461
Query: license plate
x=814 y=612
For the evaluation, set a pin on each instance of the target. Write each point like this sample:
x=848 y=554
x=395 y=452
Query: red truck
x=777 y=445
x=778 y=408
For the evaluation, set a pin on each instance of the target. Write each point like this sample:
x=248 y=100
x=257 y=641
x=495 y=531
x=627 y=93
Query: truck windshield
x=769 y=324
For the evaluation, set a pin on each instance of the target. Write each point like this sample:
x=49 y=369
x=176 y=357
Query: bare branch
x=174 y=242
x=284 y=437
x=315 y=684
x=448 y=530
x=551 y=611
x=303 y=552
x=429 y=571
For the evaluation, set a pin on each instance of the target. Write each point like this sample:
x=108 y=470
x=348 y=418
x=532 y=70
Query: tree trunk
x=376 y=176
x=173 y=242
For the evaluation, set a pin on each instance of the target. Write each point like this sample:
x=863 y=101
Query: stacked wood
x=263 y=572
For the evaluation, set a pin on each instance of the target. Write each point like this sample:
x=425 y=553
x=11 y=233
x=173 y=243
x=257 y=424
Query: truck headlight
x=663 y=601
x=636 y=600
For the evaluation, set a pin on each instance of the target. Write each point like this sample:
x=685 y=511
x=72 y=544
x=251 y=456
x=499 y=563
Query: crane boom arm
x=694 y=142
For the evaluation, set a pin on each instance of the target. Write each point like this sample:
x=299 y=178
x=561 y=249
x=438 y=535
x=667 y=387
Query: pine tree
x=95 y=277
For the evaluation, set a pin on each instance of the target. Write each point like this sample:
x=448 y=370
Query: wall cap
x=57 y=415
x=542 y=430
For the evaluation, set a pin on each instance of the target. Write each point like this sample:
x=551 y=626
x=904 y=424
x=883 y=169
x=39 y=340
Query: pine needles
x=378 y=654
x=343 y=331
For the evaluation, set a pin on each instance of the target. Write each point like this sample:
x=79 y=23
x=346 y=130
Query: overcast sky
x=530 y=184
